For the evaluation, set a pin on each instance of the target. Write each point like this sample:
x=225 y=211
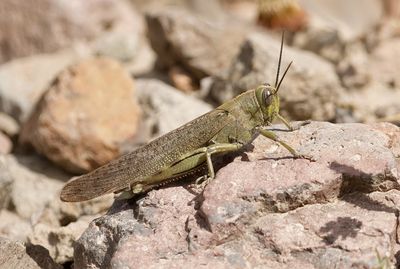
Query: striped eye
x=267 y=97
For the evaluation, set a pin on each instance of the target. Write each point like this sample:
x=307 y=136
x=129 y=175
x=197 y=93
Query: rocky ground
x=82 y=82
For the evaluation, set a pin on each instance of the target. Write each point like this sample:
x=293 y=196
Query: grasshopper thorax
x=268 y=100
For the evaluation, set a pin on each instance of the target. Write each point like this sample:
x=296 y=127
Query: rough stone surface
x=339 y=16
x=310 y=89
x=17 y=255
x=266 y=209
x=85 y=116
x=59 y=225
x=383 y=65
x=6 y=182
x=26 y=190
x=34 y=73
x=353 y=67
x=13 y=226
x=70 y=22
x=8 y=125
x=59 y=240
x=378 y=98
x=201 y=46
x=60 y=214
x=333 y=24
x=165 y=108
x=31 y=190
x=5 y=144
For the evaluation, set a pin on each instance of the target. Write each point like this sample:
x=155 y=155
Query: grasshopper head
x=268 y=99
x=267 y=95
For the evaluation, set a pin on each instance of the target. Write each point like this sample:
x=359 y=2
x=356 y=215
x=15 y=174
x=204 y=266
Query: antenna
x=280 y=60
x=284 y=74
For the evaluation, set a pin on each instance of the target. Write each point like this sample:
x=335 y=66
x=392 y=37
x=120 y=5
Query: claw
x=300 y=124
x=307 y=157
x=202 y=182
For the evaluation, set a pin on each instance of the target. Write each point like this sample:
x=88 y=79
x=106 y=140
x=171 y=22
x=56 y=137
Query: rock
x=8 y=125
x=333 y=24
x=340 y=16
x=31 y=190
x=382 y=64
x=378 y=98
x=13 y=226
x=350 y=233
x=79 y=21
x=5 y=144
x=127 y=44
x=392 y=8
x=60 y=214
x=266 y=209
x=163 y=106
x=25 y=189
x=35 y=73
x=17 y=255
x=86 y=114
x=310 y=89
x=201 y=46
x=181 y=79
x=60 y=224
x=59 y=240
x=244 y=10
x=143 y=62
x=123 y=41
x=6 y=181
x=375 y=101
x=353 y=68
x=165 y=209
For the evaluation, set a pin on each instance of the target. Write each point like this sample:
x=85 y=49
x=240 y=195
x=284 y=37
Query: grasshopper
x=187 y=149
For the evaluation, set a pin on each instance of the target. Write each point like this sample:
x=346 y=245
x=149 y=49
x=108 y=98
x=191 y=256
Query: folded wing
x=147 y=160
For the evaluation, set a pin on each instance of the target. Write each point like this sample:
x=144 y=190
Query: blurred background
x=82 y=82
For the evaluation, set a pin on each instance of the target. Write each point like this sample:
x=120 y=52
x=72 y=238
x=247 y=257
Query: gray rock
x=17 y=255
x=60 y=224
x=266 y=209
x=339 y=16
x=31 y=190
x=310 y=90
x=79 y=21
x=352 y=69
x=166 y=108
x=202 y=46
x=6 y=144
x=60 y=214
x=13 y=226
x=6 y=182
x=35 y=73
x=383 y=64
x=8 y=125
x=118 y=44
x=378 y=99
x=333 y=24
x=59 y=240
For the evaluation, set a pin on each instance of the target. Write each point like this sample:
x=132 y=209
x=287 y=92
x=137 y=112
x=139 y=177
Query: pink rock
x=266 y=209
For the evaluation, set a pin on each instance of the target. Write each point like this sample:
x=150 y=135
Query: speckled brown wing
x=148 y=159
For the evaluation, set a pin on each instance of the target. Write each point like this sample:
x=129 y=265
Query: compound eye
x=267 y=96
